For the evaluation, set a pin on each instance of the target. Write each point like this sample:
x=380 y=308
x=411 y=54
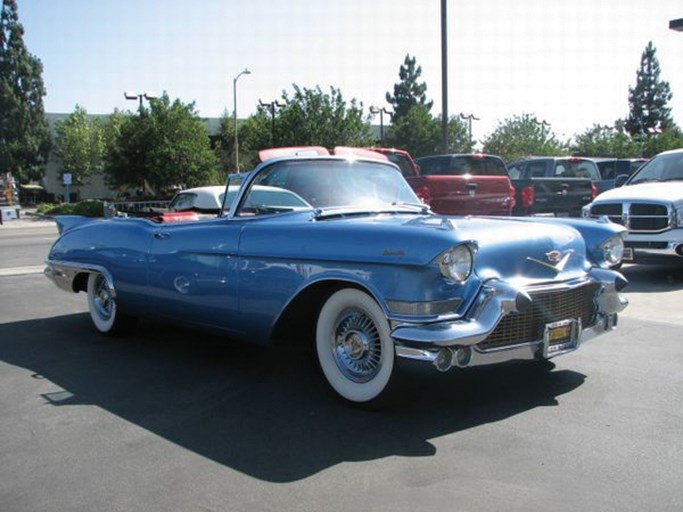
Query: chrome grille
x=547 y=307
x=639 y=217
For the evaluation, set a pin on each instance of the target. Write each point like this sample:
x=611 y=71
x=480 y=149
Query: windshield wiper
x=341 y=211
x=420 y=206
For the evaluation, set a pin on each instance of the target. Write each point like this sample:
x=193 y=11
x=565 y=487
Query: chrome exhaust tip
x=446 y=358
x=463 y=357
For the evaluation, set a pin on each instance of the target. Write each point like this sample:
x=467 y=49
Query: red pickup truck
x=457 y=184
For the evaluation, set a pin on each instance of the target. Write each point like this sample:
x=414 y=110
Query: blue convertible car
x=357 y=266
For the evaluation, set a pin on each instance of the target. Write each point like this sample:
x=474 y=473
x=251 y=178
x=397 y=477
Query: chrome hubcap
x=357 y=346
x=104 y=304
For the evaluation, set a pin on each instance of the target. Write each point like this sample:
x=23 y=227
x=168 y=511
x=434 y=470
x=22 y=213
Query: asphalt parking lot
x=169 y=419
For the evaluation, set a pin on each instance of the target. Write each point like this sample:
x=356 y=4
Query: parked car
x=629 y=165
x=617 y=168
x=459 y=184
x=402 y=159
x=555 y=185
x=207 y=199
x=650 y=205
x=464 y=184
x=364 y=272
x=615 y=171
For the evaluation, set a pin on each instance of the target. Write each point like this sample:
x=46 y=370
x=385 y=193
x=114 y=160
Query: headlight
x=456 y=263
x=678 y=220
x=613 y=250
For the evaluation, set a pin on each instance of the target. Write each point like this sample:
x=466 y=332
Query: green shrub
x=43 y=208
x=89 y=208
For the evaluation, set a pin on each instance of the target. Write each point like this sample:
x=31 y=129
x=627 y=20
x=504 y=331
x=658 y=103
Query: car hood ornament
x=556 y=260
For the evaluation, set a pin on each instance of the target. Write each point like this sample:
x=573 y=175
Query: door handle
x=161 y=235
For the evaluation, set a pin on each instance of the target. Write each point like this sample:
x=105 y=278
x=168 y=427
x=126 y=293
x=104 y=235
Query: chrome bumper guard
x=447 y=344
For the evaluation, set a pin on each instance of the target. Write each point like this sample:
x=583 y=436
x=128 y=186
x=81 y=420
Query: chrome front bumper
x=459 y=342
x=663 y=246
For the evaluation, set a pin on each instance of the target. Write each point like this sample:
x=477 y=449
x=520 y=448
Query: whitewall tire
x=104 y=311
x=354 y=346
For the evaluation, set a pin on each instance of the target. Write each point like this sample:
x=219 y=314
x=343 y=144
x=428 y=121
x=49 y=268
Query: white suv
x=650 y=205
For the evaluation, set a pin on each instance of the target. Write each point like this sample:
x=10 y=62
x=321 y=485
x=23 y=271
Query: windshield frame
x=340 y=179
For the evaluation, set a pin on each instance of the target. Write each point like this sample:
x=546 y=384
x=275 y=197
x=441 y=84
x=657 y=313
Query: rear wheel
x=354 y=347
x=104 y=311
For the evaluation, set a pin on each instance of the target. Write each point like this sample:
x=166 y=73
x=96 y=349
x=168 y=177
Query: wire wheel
x=354 y=346
x=357 y=346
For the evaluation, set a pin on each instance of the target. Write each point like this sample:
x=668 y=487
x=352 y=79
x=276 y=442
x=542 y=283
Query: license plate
x=628 y=254
x=561 y=337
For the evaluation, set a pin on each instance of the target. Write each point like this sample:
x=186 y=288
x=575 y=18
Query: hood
x=671 y=191
x=526 y=251
x=506 y=248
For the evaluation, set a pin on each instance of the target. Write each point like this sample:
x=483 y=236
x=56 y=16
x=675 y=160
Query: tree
x=253 y=133
x=606 y=141
x=24 y=132
x=161 y=147
x=648 y=110
x=521 y=136
x=420 y=134
x=312 y=117
x=408 y=92
x=79 y=146
x=309 y=118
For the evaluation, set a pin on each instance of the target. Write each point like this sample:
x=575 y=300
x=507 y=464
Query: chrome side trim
x=63 y=273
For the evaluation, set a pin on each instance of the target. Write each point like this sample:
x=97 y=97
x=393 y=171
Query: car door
x=192 y=272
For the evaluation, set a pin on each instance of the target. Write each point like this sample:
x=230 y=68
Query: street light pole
x=130 y=95
x=470 y=118
x=381 y=111
x=444 y=77
x=245 y=71
x=270 y=105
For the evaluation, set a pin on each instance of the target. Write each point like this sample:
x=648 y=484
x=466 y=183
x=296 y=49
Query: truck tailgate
x=561 y=194
x=465 y=195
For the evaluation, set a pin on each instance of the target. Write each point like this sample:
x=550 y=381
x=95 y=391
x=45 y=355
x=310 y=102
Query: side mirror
x=621 y=179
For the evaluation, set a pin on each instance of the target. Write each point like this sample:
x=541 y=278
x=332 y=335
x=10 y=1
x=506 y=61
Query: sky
x=569 y=62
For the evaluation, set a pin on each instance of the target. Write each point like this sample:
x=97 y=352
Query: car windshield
x=667 y=167
x=474 y=165
x=183 y=201
x=203 y=199
x=323 y=183
x=575 y=168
